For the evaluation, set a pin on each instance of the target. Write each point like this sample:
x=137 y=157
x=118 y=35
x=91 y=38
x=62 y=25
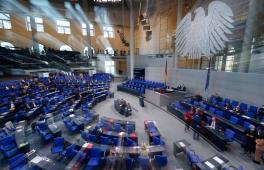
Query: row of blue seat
x=249 y=110
x=233 y=119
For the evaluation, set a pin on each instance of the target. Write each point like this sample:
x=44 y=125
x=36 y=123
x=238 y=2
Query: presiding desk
x=163 y=99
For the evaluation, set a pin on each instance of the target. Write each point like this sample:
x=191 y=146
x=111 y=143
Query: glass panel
x=67 y=30
x=40 y=28
x=38 y=20
x=7 y=24
x=4 y=16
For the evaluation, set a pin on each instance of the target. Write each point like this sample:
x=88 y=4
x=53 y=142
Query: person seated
x=260 y=113
x=238 y=110
x=213 y=123
x=228 y=106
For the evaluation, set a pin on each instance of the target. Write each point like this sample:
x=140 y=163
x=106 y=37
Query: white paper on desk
x=246 y=116
x=182 y=144
x=36 y=160
x=209 y=164
x=220 y=161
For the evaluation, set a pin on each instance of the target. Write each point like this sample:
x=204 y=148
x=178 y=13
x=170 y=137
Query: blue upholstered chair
x=234 y=103
x=227 y=101
x=129 y=128
x=105 y=140
x=212 y=110
x=234 y=120
x=196 y=104
x=144 y=162
x=230 y=135
x=8 y=146
x=58 y=144
x=246 y=125
x=129 y=142
x=94 y=161
x=219 y=113
x=160 y=160
x=129 y=163
x=18 y=162
x=204 y=106
x=157 y=141
x=192 y=157
x=70 y=151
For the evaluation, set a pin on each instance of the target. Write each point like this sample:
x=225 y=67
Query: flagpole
x=207 y=83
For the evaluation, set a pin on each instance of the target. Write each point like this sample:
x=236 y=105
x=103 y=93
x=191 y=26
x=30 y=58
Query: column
x=34 y=35
x=179 y=17
x=132 y=39
x=252 y=25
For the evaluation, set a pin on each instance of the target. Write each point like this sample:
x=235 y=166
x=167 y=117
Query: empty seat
x=196 y=103
x=234 y=120
x=191 y=157
x=58 y=144
x=219 y=113
x=94 y=161
x=234 y=103
x=18 y=162
x=204 y=106
x=212 y=109
x=160 y=160
x=246 y=125
x=230 y=135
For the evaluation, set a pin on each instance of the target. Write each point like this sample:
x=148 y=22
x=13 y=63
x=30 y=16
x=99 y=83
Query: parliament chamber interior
x=132 y=84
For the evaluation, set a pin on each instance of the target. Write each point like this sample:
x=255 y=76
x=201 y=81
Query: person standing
x=196 y=122
x=259 y=149
x=188 y=118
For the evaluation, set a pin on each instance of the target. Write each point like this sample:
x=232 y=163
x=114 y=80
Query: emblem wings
x=204 y=35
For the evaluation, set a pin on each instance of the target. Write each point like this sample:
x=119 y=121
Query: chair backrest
x=58 y=141
x=227 y=100
x=212 y=109
x=234 y=119
x=156 y=140
x=196 y=103
x=219 y=113
x=161 y=160
x=246 y=125
x=129 y=128
x=95 y=152
x=204 y=106
x=229 y=134
x=105 y=140
x=234 y=103
x=17 y=160
x=144 y=161
x=253 y=109
x=243 y=106
x=92 y=137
